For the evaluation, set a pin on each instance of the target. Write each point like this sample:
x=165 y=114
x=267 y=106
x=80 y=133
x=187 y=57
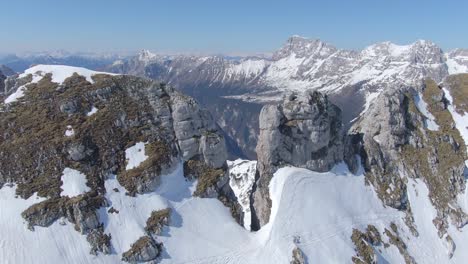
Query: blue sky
x=217 y=26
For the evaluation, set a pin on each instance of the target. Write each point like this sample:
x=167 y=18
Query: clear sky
x=221 y=26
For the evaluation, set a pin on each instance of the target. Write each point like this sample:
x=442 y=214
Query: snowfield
x=313 y=211
x=135 y=155
x=58 y=72
x=73 y=183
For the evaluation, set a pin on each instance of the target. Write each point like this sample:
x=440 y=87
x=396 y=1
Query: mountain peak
x=301 y=47
x=146 y=55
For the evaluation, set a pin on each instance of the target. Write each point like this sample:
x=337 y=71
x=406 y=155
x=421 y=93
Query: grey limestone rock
x=305 y=130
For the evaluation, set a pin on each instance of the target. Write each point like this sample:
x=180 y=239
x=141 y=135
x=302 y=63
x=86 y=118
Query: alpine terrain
x=234 y=90
x=311 y=155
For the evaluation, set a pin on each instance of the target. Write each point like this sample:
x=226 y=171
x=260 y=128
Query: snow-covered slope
x=58 y=74
x=314 y=211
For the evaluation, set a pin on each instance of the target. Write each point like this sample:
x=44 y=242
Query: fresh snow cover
x=73 y=183
x=421 y=105
x=313 y=211
x=69 y=132
x=54 y=244
x=16 y=95
x=135 y=155
x=454 y=67
x=59 y=72
x=248 y=68
x=242 y=178
x=92 y=112
x=128 y=224
x=428 y=247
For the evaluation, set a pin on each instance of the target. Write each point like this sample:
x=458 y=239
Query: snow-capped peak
x=146 y=55
x=302 y=47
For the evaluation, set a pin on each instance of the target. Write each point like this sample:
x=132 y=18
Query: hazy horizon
x=210 y=27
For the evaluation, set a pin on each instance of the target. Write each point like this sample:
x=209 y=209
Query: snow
x=59 y=73
x=69 y=132
x=455 y=68
x=242 y=178
x=73 y=183
x=318 y=209
x=315 y=211
x=93 y=111
x=54 y=244
x=461 y=121
x=128 y=224
x=421 y=105
x=135 y=155
x=369 y=98
x=248 y=68
x=16 y=95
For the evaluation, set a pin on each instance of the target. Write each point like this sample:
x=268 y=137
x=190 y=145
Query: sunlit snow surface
x=135 y=155
x=316 y=211
x=242 y=178
x=422 y=107
x=92 y=112
x=58 y=72
x=73 y=183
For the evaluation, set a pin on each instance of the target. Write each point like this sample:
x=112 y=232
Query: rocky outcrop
x=298 y=256
x=384 y=129
x=304 y=131
x=196 y=132
x=34 y=149
x=214 y=183
x=408 y=133
x=143 y=250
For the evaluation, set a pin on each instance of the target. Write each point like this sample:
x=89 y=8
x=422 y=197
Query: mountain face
x=81 y=147
x=107 y=168
x=350 y=78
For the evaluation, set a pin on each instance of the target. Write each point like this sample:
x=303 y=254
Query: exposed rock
x=304 y=131
x=143 y=250
x=197 y=133
x=450 y=245
x=99 y=242
x=34 y=150
x=213 y=183
x=242 y=177
x=394 y=239
x=80 y=210
x=298 y=256
x=382 y=131
x=157 y=220
x=70 y=107
x=395 y=143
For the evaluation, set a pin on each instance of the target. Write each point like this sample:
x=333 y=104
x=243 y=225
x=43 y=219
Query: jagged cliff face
x=412 y=134
x=59 y=122
x=408 y=135
x=304 y=131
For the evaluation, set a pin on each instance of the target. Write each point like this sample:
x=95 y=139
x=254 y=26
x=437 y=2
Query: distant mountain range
x=235 y=88
x=352 y=79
